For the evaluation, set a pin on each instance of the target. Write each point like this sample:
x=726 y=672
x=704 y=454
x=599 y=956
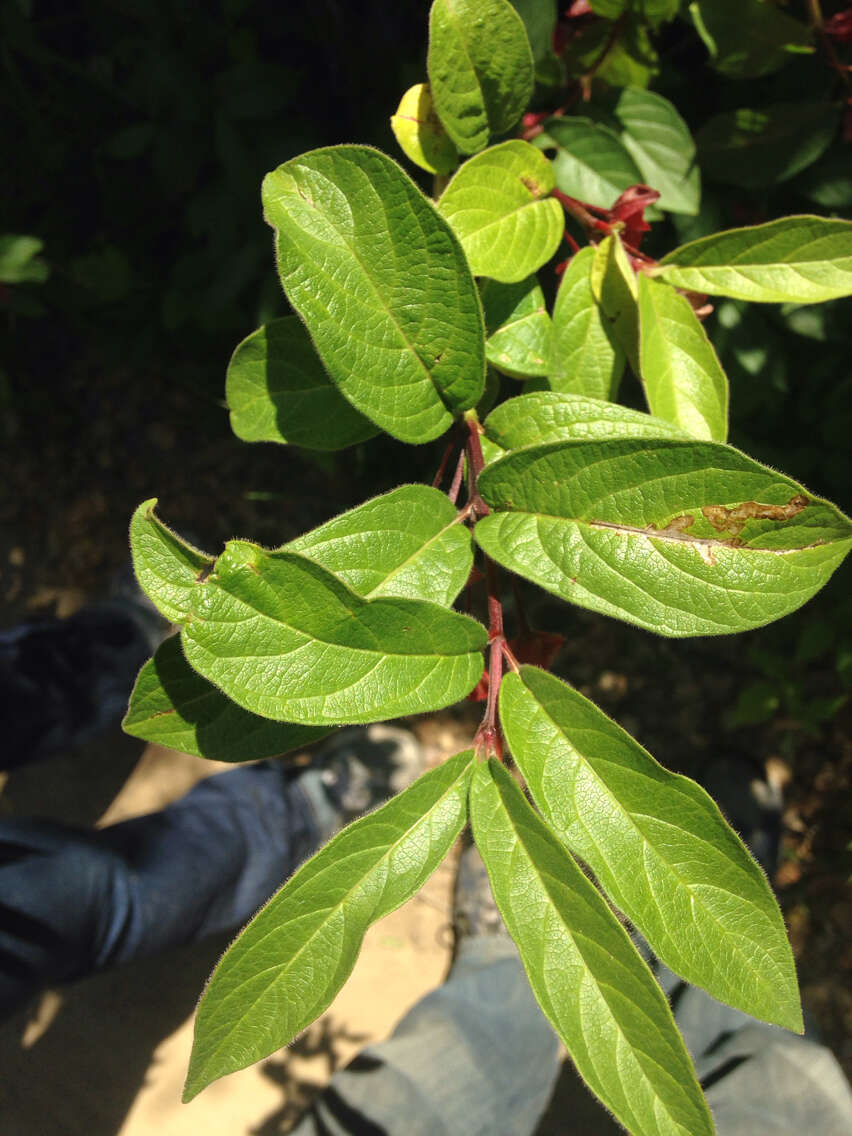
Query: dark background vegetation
x=135 y=136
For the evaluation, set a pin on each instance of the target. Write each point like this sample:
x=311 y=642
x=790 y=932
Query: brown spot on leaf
x=732 y=518
x=532 y=185
x=676 y=525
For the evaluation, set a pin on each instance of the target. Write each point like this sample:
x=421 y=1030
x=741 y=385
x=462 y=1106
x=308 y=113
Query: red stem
x=612 y=39
x=510 y=658
x=475 y=464
x=488 y=738
x=455 y=488
x=581 y=213
x=442 y=468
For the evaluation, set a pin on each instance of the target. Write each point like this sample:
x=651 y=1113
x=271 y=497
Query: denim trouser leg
x=475 y=1057
x=73 y=902
x=759 y=1078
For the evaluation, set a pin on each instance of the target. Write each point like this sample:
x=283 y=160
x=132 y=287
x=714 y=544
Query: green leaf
x=498 y=207
x=748 y=38
x=586 y=974
x=480 y=69
x=291 y=960
x=590 y=161
x=684 y=381
x=621 y=57
x=519 y=327
x=615 y=289
x=539 y=18
x=278 y=391
x=284 y=638
x=167 y=568
x=585 y=355
x=757 y=147
x=655 y=11
x=383 y=286
x=173 y=706
x=683 y=538
x=659 y=142
x=657 y=844
x=20 y=262
x=797 y=260
x=419 y=132
x=548 y=416
x=405 y=543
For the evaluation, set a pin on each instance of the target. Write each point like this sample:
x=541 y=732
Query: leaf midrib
x=672 y=537
x=420 y=551
x=309 y=637
x=630 y=817
x=389 y=849
x=503 y=218
x=540 y=874
x=412 y=350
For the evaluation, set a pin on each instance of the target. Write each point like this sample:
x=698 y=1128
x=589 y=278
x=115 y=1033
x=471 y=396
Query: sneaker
x=64 y=681
x=357 y=770
x=474 y=910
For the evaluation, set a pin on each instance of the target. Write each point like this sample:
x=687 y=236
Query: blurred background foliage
x=137 y=132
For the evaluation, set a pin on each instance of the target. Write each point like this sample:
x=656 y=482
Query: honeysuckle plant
x=417 y=316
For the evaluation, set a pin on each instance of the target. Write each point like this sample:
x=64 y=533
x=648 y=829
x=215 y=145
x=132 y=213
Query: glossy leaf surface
x=683 y=379
x=278 y=391
x=404 y=543
x=383 y=286
x=660 y=144
x=798 y=259
x=586 y=974
x=284 y=638
x=480 y=69
x=590 y=161
x=167 y=567
x=419 y=132
x=683 y=538
x=586 y=358
x=499 y=208
x=287 y=965
x=657 y=844
x=173 y=706
x=519 y=328
x=548 y=416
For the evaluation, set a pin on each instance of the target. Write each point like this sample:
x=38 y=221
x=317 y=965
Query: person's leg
x=759 y=1078
x=63 y=681
x=72 y=902
x=476 y=1056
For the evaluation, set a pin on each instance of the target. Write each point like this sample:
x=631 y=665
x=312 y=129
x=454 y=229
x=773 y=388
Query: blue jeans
x=73 y=902
x=474 y=1057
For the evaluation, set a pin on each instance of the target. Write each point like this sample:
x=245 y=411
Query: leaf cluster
x=413 y=316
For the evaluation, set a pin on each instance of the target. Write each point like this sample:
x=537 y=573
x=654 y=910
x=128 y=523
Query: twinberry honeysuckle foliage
x=407 y=310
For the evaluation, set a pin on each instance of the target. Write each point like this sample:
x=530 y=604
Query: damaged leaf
x=683 y=538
